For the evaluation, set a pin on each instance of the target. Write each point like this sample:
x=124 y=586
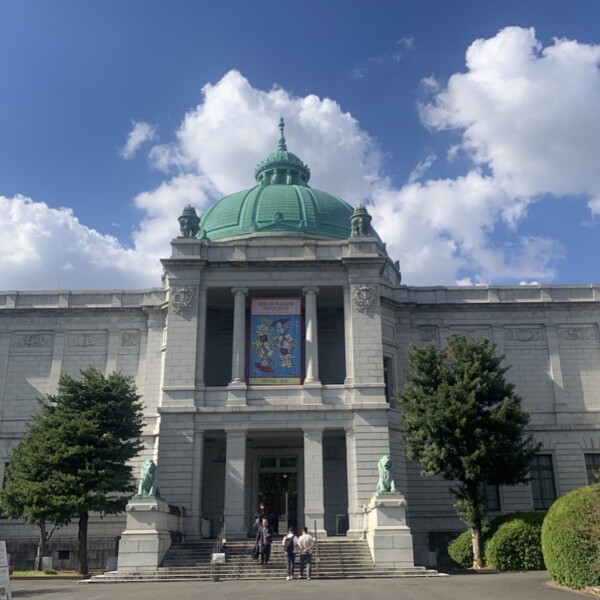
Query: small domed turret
x=281 y=166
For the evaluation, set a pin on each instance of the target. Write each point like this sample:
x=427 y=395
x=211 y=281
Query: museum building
x=270 y=359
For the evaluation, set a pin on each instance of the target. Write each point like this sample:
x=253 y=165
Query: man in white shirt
x=306 y=544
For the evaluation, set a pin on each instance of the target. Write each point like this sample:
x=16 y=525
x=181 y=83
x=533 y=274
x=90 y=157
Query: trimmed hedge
x=517 y=548
x=571 y=538
x=460 y=549
x=517 y=544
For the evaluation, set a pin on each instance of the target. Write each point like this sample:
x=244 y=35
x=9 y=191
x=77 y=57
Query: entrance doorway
x=278 y=489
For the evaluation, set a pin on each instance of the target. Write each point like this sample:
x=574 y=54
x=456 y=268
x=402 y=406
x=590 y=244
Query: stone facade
x=306 y=445
x=222 y=444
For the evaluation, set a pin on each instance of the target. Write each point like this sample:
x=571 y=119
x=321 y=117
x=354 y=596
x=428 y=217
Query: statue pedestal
x=388 y=535
x=147 y=537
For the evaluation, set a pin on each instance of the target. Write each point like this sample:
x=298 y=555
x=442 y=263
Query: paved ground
x=506 y=586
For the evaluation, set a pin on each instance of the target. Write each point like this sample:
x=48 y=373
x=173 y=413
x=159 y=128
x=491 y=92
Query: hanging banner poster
x=275 y=342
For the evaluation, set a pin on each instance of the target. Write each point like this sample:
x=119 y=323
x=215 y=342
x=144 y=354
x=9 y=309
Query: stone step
x=334 y=559
x=138 y=577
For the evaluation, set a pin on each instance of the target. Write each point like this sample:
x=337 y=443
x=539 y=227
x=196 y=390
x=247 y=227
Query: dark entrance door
x=279 y=492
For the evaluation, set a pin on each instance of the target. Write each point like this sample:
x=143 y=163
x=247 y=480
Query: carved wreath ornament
x=364 y=296
x=182 y=299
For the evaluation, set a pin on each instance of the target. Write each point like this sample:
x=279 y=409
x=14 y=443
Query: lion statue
x=147 y=486
x=386 y=481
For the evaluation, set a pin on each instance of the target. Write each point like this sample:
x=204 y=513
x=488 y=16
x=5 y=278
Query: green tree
x=30 y=492
x=91 y=430
x=463 y=420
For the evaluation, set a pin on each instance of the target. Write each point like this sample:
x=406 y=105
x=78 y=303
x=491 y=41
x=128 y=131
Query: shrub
x=570 y=538
x=516 y=544
x=460 y=550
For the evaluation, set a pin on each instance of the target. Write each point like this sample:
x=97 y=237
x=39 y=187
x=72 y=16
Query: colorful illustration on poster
x=275 y=341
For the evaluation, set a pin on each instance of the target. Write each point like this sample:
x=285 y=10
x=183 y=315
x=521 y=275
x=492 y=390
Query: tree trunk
x=83 y=530
x=41 y=548
x=476 y=544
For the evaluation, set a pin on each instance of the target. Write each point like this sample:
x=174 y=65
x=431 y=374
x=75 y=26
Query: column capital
x=310 y=290
x=238 y=290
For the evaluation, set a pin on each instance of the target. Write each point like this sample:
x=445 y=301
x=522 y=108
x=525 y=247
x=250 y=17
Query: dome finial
x=281 y=143
x=282 y=167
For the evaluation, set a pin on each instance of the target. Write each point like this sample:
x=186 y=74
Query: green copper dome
x=281 y=204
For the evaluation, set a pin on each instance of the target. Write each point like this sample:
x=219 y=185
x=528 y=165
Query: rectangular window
x=388 y=379
x=492 y=497
x=542 y=482
x=268 y=462
x=592 y=467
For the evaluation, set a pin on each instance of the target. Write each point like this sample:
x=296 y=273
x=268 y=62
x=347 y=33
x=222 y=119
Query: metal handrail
x=217 y=548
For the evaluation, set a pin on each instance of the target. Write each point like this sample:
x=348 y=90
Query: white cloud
x=440 y=228
x=47 y=248
x=527 y=119
x=384 y=60
x=235 y=127
x=528 y=113
x=421 y=168
x=140 y=133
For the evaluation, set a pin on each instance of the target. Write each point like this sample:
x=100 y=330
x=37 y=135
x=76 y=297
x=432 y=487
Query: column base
x=235 y=527
x=315 y=519
x=200 y=393
x=236 y=393
x=312 y=392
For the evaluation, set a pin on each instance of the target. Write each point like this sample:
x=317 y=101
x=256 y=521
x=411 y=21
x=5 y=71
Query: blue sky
x=470 y=129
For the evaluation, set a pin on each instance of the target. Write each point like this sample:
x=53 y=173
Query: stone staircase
x=335 y=559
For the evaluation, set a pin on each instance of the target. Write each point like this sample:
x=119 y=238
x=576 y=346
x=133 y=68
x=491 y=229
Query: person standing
x=306 y=543
x=264 y=538
x=289 y=543
x=261 y=513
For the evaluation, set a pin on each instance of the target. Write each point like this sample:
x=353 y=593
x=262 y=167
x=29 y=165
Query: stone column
x=4 y=356
x=314 y=506
x=58 y=349
x=179 y=376
x=238 y=359
x=349 y=342
x=201 y=346
x=312 y=343
x=367 y=342
x=312 y=385
x=195 y=527
x=561 y=405
x=112 y=354
x=356 y=518
x=235 y=471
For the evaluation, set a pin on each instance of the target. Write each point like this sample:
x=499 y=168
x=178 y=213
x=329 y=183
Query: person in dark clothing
x=261 y=513
x=289 y=543
x=264 y=538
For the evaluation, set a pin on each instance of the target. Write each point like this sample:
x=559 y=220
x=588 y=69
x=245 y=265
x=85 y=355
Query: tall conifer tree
x=75 y=458
x=463 y=420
